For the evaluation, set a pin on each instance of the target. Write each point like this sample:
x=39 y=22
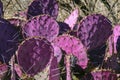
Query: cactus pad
x=72 y=19
x=97 y=55
x=72 y=45
x=9 y=39
x=3 y=70
x=112 y=63
x=34 y=55
x=116 y=35
x=43 y=25
x=38 y=7
x=94 y=30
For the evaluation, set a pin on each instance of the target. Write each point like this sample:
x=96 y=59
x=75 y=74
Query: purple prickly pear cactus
x=18 y=70
x=57 y=52
x=94 y=30
x=54 y=70
x=44 y=26
x=104 y=75
x=38 y=7
x=9 y=39
x=3 y=70
x=63 y=28
x=114 y=40
x=34 y=55
x=112 y=63
x=72 y=19
x=110 y=45
x=97 y=55
x=72 y=46
x=1 y=9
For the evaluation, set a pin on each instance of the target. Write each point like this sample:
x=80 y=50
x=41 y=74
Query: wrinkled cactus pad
x=63 y=28
x=72 y=18
x=9 y=39
x=94 y=30
x=104 y=75
x=34 y=55
x=38 y=7
x=72 y=45
x=43 y=25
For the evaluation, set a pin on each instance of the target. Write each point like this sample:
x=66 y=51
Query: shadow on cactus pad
x=96 y=56
x=63 y=28
x=112 y=63
x=9 y=39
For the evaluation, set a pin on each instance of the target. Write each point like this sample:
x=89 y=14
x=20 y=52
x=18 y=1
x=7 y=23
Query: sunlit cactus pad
x=43 y=25
x=72 y=45
x=116 y=40
x=9 y=36
x=94 y=30
x=34 y=55
x=38 y=7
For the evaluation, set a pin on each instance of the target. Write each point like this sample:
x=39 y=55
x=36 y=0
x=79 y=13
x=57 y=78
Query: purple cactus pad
x=72 y=18
x=38 y=7
x=44 y=26
x=9 y=39
x=94 y=30
x=72 y=45
x=34 y=55
x=3 y=70
x=112 y=63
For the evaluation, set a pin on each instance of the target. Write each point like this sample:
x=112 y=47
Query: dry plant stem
x=68 y=70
